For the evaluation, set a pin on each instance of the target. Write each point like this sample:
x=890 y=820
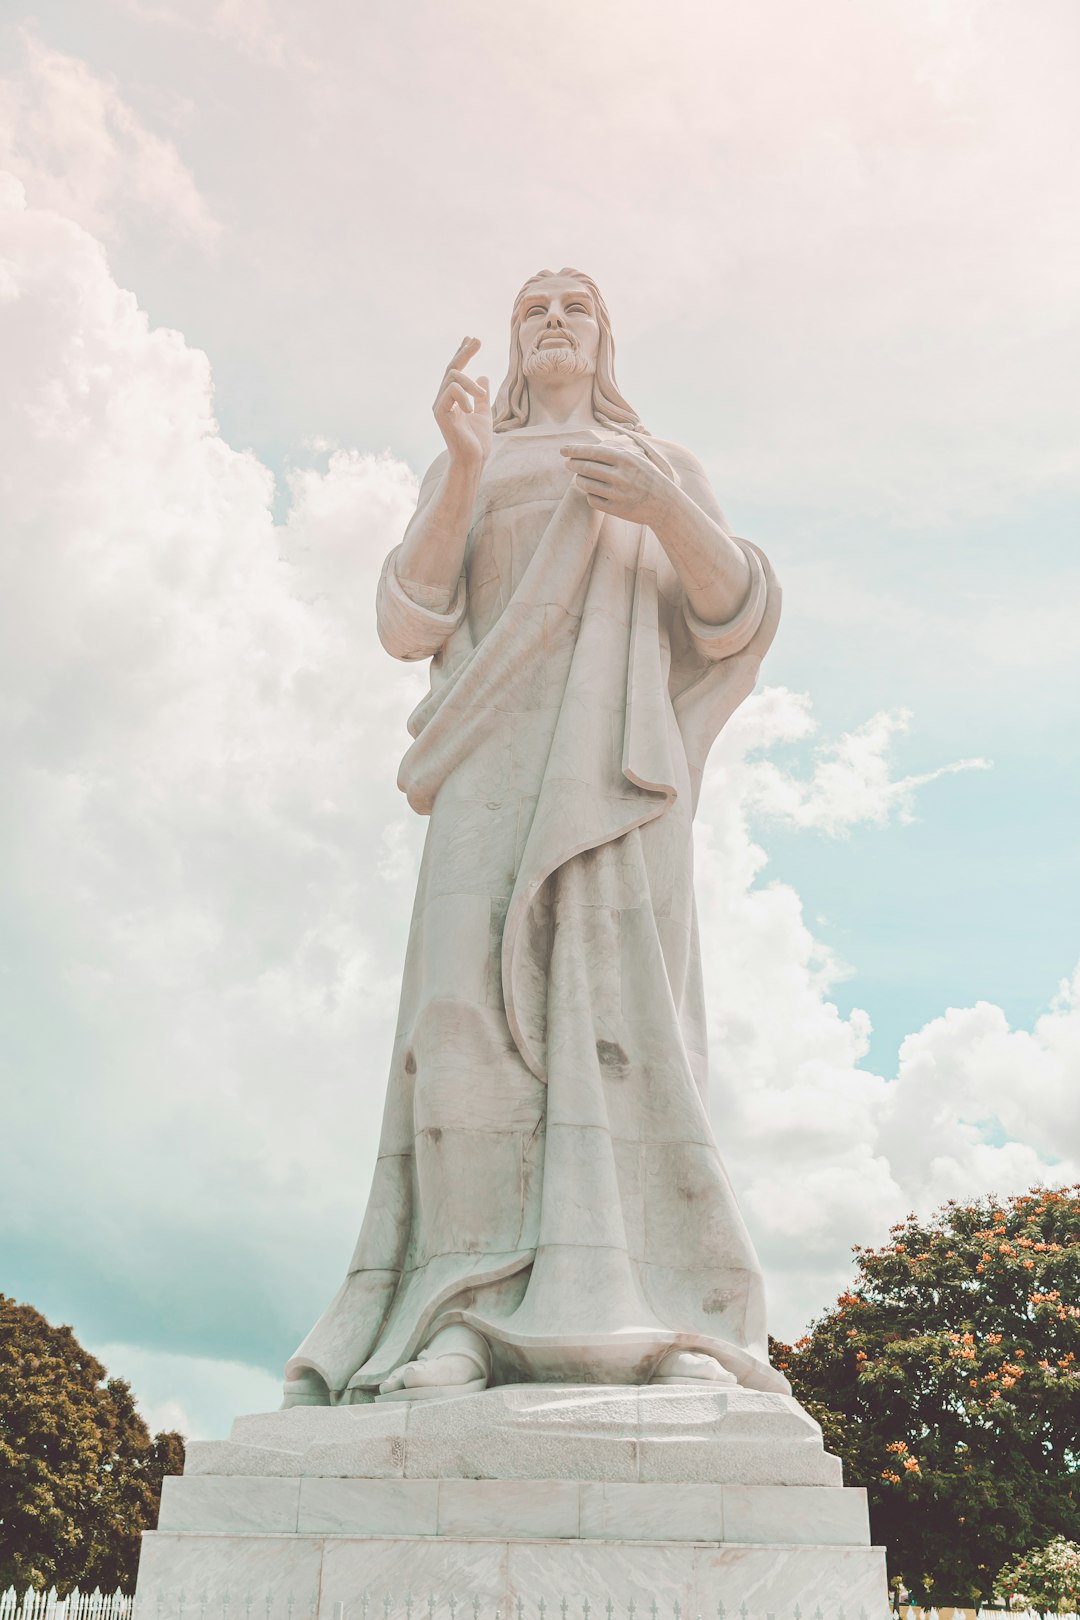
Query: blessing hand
x=463 y=409
x=620 y=482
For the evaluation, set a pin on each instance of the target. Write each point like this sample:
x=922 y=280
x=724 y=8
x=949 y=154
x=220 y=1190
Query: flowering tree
x=1047 y=1579
x=948 y=1381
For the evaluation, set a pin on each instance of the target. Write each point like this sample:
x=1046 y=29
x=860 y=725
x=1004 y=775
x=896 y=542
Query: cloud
x=209 y=872
x=823 y=1152
x=837 y=240
x=248 y=25
x=851 y=784
x=78 y=146
x=202 y=745
x=196 y=1395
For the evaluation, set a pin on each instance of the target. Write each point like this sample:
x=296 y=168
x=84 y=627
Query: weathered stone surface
x=308 y=1575
x=549 y=1203
x=535 y=1431
x=524 y=1509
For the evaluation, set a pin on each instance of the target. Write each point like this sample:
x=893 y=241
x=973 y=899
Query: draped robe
x=547 y=1173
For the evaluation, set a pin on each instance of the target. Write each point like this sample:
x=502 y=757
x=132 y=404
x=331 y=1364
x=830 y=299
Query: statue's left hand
x=620 y=482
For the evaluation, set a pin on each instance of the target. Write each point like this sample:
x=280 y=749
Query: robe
x=547 y=1173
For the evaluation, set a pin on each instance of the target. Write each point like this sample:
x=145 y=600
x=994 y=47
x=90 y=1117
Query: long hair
x=609 y=407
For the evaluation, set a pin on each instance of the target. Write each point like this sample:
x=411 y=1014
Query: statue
x=549 y=1204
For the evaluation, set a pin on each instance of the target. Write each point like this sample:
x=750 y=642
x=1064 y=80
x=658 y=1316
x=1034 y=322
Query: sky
x=239 y=240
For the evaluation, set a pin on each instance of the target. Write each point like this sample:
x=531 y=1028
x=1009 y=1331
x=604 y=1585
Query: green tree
x=947 y=1381
x=80 y=1475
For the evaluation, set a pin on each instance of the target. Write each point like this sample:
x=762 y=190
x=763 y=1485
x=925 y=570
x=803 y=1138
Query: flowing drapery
x=547 y=1173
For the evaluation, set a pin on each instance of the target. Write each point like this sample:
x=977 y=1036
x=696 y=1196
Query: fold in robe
x=547 y=1173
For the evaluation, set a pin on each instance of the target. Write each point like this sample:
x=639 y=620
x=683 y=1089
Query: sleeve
x=415 y=621
x=716 y=641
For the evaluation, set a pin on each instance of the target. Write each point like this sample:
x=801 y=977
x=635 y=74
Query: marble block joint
x=697 y=1497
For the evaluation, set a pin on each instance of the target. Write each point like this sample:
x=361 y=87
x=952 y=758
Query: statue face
x=558 y=332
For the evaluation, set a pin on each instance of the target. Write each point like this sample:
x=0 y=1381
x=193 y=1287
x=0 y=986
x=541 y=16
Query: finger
x=464 y=352
x=594 y=469
x=598 y=501
x=594 y=486
x=453 y=394
x=466 y=382
x=595 y=452
x=485 y=384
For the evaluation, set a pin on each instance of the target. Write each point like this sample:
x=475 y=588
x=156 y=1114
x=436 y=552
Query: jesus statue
x=549 y=1204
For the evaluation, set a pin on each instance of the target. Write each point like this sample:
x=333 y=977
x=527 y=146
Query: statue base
x=700 y=1500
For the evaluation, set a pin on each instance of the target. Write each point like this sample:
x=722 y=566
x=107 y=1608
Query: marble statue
x=549 y=1205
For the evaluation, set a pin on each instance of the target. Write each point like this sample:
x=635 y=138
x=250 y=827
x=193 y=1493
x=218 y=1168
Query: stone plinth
x=691 y=1497
x=618 y=1433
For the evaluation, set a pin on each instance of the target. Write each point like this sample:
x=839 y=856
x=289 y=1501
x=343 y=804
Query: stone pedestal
x=700 y=1501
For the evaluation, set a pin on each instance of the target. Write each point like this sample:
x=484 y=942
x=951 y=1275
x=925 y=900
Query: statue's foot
x=456 y=1361
x=693 y=1367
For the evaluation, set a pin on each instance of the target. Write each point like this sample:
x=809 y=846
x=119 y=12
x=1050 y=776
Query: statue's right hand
x=462 y=409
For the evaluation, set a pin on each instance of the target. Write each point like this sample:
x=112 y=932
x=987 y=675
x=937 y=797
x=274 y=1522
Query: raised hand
x=462 y=409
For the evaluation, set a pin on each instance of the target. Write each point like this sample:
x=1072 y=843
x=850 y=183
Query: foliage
x=1047 y=1579
x=80 y=1476
x=947 y=1380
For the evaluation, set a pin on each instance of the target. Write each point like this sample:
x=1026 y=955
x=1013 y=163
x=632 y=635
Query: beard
x=557 y=362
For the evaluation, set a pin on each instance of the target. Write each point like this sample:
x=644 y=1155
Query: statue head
x=582 y=343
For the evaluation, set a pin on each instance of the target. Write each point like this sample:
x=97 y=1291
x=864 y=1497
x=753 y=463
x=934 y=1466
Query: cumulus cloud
x=824 y=1152
x=79 y=147
x=851 y=783
x=201 y=744
x=209 y=872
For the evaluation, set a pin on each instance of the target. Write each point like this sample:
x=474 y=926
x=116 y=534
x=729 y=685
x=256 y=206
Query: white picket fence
x=910 y=1611
x=96 y=1605
x=77 y=1605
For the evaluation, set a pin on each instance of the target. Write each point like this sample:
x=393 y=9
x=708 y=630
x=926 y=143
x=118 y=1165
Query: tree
x=947 y=1381
x=80 y=1476
x=1047 y=1578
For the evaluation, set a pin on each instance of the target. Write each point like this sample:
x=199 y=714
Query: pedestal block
x=701 y=1502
